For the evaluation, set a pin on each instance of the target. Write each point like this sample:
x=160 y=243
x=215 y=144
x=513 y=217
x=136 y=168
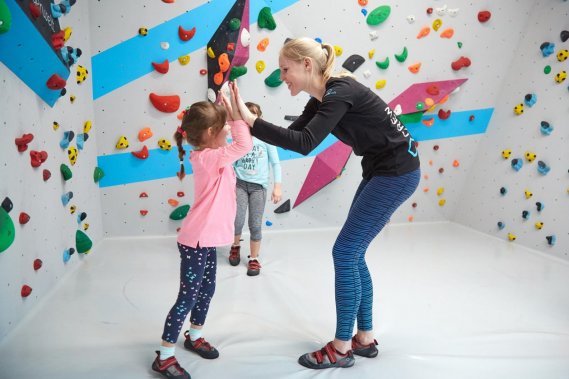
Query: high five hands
x=235 y=106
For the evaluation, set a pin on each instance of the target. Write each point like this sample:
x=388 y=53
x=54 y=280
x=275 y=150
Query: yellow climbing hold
x=122 y=143
x=164 y=144
x=528 y=194
x=511 y=237
x=380 y=84
x=371 y=53
x=338 y=50
x=437 y=24
x=506 y=153
x=539 y=225
x=184 y=59
x=210 y=53
x=442 y=202
x=55 y=125
x=260 y=66
x=440 y=191
x=429 y=102
x=87 y=126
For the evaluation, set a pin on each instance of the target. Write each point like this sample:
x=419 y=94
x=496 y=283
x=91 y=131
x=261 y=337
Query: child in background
x=208 y=224
x=252 y=181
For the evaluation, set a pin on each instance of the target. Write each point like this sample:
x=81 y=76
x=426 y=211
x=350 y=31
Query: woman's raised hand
x=246 y=114
x=230 y=104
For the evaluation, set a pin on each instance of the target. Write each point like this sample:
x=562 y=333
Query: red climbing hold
x=161 y=67
x=444 y=115
x=35 y=10
x=142 y=154
x=22 y=142
x=460 y=63
x=38 y=157
x=433 y=90
x=24 y=218
x=26 y=290
x=168 y=1
x=180 y=194
x=166 y=104
x=58 y=39
x=46 y=175
x=56 y=82
x=484 y=16
x=143 y=194
x=37 y=264
x=186 y=35
x=143 y=212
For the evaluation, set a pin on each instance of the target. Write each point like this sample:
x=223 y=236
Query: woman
x=390 y=165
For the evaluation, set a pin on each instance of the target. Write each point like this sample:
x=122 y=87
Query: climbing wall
x=421 y=42
x=40 y=219
x=519 y=184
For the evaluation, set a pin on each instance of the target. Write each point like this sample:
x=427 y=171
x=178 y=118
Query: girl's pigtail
x=179 y=137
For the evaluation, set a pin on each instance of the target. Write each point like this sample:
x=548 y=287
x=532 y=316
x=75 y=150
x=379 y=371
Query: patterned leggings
x=374 y=203
x=197 y=286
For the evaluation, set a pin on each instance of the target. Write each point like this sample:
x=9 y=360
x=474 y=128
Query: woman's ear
x=307 y=63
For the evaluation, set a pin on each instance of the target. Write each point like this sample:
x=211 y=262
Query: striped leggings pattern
x=373 y=204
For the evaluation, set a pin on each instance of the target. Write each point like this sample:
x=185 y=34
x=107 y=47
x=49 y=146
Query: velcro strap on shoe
x=330 y=351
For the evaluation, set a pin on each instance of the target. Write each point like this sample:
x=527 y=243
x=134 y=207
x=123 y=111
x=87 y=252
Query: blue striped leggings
x=374 y=203
x=198 y=267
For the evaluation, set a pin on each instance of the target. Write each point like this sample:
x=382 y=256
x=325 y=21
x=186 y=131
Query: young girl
x=208 y=224
x=252 y=180
x=390 y=164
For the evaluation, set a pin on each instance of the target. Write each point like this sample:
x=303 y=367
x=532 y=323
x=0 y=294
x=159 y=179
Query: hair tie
x=181 y=131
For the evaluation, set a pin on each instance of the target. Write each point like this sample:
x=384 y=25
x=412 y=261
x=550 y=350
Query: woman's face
x=294 y=74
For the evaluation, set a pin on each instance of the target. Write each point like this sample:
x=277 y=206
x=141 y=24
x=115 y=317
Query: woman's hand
x=246 y=114
x=277 y=193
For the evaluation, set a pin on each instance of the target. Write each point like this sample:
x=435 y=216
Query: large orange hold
x=218 y=78
x=223 y=61
x=262 y=45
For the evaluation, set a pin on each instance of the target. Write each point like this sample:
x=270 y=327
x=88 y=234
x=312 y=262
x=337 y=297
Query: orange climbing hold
x=429 y=121
x=447 y=33
x=455 y=163
x=173 y=202
x=424 y=32
x=362 y=3
x=414 y=68
x=186 y=35
x=262 y=45
x=223 y=61
x=218 y=78
x=144 y=134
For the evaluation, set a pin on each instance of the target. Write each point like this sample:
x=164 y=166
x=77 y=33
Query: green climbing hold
x=98 y=174
x=7 y=231
x=266 y=20
x=547 y=70
x=403 y=56
x=383 y=65
x=234 y=24
x=378 y=15
x=459 y=44
x=274 y=80
x=82 y=242
x=65 y=171
x=420 y=106
x=411 y=118
x=5 y=19
x=237 y=71
x=180 y=212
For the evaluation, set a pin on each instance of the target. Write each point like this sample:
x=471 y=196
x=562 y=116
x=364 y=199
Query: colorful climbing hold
x=414 y=68
x=263 y=44
x=547 y=48
x=530 y=99
x=234 y=24
x=141 y=154
x=37 y=264
x=517 y=164
x=551 y=240
x=161 y=67
x=501 y=225
x=562 y=55
x=539 y=206
x=484 y=16
x=528 y=194
x=378 y=15
x=543 y=168
x=186 y=35
x=82 y=242
x=184 y=59
x=530 y=157
x=519 y=109
x=546 y=128
x=98 y=174
x=165 y=144
x=424 y=32
x=65 y=172
x=384 y=64
x=37 y=158
x=447 y=33
x=338 y=50
x=143 y=32
x=66 y=198
x=167 y=104
x=380 y=84
x=237 y=71
x=180 y=212
x=122 y=143
x=437 y=24
x=402 y=57
x=547 y=69
x=460 y=63
x=274 y=79
x=443 y=115
x=260 y=66
x=72 y=155
x=23 y=141
x=265 y=19
x=560 y=77
x=511 y=237
x=26 y=290
x=56 y=82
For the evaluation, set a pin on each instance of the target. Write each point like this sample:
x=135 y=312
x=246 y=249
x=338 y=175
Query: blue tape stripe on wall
x=24 y=50
x=124 y=168
x=457 y=125
x=132 y=59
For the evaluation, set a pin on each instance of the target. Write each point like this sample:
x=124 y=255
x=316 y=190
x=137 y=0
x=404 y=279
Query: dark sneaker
x=253 y=267
x=170 y=368
x=201 y=347
x=368 y=351
x=234 y=256
x=327 y=357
